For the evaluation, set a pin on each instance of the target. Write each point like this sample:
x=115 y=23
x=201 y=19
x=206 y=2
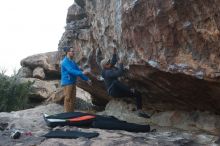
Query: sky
x=29 y=27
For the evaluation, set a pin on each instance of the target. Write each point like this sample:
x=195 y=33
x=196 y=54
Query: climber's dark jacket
x=111 y=75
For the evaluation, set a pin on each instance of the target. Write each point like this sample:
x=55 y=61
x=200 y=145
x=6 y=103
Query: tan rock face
x=43 y=89
x=171 y=48
x=44 y=71
x=39 y=73
x=183 y=39
x=48 y=61
x=25 y=72
x=175 y=33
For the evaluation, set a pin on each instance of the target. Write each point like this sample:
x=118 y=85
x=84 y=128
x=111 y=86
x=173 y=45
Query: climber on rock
x=115 y=88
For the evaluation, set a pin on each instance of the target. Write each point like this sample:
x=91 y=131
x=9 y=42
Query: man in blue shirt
x=69 y=73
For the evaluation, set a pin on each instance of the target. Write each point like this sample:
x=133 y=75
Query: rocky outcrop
x=42 y=89
x=175 y=33
x=25 y=72
x=39 y=73
x=170 y=48
x=191 y=121
x=48 y=62
x=44 y=72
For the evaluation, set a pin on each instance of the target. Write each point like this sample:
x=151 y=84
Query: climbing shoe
x=153 y=130
x=140 y=113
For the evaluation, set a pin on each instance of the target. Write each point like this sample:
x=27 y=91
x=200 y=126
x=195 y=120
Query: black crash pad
x=70 y=134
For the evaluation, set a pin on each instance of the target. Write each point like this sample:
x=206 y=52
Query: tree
x=13 y=94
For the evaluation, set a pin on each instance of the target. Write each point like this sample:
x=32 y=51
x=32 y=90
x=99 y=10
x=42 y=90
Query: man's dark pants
x=118 y=90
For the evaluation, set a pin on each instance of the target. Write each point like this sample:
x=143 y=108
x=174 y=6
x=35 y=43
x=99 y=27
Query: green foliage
x=13 y=94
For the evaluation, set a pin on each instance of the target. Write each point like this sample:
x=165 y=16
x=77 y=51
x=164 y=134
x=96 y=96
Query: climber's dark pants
x=120 y=90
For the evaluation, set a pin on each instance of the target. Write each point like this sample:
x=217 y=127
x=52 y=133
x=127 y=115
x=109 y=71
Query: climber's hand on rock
x=86 y=71
x=114 y=50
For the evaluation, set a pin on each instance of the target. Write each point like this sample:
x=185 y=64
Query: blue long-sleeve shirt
x=111 y=75
x=70 y=71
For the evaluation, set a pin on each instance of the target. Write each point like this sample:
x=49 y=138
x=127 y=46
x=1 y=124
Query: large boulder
x=42 y=89
x=48 y=61
x=25 y=72
x=170 y=52
x=170 y=49
x=195 y=120
x=177 y=33
x=38 y=72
